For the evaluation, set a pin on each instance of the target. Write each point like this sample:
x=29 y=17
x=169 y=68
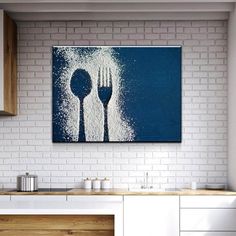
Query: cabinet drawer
x=208 y=202
x=5 y=198
x=208 y=234
x=52 y=198
x=101 y=198
x=208 y=219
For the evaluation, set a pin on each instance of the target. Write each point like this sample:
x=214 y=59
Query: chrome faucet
x=146 y=182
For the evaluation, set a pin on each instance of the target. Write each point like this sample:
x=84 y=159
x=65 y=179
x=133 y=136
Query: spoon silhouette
x=81 y=86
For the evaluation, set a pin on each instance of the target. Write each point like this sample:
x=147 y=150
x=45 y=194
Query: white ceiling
x=117 y=9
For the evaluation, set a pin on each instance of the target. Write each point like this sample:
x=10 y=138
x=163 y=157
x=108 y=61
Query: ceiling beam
x=118 y=7
x=120 y=16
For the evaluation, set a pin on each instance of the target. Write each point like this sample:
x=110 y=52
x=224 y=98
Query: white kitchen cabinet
x=208 y=215
x=65 y=205
x=99 y=205
x=208 y=234
x=208 y=219
x=38 y=198
x=215 y=202
x=151 y=215
x=5 y=198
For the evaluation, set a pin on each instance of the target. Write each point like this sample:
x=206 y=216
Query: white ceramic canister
x=96 y=183
x=194 y=185
x=87 y=183
x=106 y=183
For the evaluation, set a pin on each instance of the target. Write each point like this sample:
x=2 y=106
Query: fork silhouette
x=104 y=94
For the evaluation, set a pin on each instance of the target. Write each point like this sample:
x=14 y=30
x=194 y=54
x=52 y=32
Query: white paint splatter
x=119 y=127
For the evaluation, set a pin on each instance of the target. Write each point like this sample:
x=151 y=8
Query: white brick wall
x=25 y=140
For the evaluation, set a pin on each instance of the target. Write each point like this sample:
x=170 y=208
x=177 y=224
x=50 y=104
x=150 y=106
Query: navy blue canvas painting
x=116 y=94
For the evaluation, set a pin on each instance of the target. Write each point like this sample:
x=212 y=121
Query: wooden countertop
x=124 y=192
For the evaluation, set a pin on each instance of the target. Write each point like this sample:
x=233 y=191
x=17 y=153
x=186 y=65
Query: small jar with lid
x=106 y=183
x=96 y=183
x=87 y=183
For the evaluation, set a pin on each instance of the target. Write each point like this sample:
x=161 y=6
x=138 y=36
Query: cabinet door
x=151 y=215
x=208 y=234
x=208 y=219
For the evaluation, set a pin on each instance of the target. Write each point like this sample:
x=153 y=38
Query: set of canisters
x=97 y=183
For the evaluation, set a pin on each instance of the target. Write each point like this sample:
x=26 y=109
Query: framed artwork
x=116 y=94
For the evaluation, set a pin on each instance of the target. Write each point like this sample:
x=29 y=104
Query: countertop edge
x=123 y=192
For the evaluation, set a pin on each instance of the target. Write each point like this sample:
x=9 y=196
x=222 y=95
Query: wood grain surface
x=123 y=192
x=56 y=225
x=10 y=70
x=55 y=233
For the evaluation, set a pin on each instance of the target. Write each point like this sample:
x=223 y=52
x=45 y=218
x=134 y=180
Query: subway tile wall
x=26 y=140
